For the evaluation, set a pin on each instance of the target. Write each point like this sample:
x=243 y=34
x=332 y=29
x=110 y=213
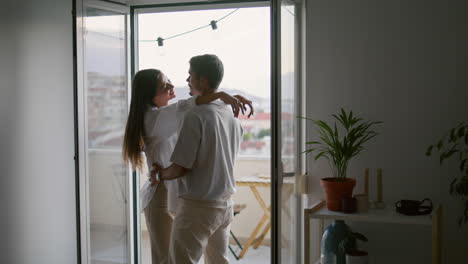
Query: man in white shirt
x=204 y=154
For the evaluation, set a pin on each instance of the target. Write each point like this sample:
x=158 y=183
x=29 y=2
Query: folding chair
x=237 y=209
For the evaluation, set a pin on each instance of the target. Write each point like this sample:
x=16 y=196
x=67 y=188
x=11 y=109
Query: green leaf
x=344 y=117
x=319 y=155
x=306 y=118
x=442 y=158
x=462 y=165
x=461 y=131
x=325 y=126
x=452 y=185
x=340 y=120
x=453 y=135
x=429 y=150
x=440 y=144
x=313 y=142
x=360 y=236
x=307 y=151
x=451 y=152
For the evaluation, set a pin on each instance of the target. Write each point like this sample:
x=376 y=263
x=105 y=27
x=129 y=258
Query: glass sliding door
x=242 y=41
x=286 y=105
x=103 y=95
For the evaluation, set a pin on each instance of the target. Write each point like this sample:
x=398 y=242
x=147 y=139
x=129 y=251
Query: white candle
x=379 y=185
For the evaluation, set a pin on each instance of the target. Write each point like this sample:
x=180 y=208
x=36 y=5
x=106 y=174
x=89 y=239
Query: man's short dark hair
x=208 y=66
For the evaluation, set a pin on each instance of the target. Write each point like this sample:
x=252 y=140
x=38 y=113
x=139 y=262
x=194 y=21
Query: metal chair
x=237 y=209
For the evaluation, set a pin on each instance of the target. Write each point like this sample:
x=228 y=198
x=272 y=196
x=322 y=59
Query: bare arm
x=244 y=101
x=170 y=173
x=237 y=102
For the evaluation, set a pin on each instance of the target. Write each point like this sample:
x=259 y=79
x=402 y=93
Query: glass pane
x=288 y=132
x=242 y=42
x=106 y=113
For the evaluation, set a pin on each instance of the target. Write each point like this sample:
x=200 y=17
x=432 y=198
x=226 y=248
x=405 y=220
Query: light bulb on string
x=213 y=24
x=161 y=48
x=160 y=41
x=214 y=27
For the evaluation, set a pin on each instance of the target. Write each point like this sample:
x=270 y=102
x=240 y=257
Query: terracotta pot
x=335 y=190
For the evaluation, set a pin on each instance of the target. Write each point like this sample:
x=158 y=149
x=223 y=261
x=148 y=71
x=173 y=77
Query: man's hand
x=233 y=102
x=170 y=173
x=244 y=101
x=152 y=178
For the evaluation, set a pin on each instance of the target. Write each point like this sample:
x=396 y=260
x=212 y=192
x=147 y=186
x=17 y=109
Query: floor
x=109 y=247
x=261 y=255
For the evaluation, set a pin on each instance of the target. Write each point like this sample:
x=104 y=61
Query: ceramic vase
x=329 y=246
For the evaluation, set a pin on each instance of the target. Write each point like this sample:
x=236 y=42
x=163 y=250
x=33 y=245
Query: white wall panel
x=400 y=62
x=37 y=130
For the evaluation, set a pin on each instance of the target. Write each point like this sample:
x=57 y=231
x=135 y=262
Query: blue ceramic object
x=329 y=247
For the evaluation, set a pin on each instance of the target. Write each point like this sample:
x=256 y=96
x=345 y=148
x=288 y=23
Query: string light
x=213 y=24
x=160 y=42
x=104 y=35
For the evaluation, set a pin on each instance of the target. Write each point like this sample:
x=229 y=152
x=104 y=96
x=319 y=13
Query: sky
x=242 y=42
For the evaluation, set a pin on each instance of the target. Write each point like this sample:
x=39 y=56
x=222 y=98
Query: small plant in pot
x=349 y=246
x=339 y=145
x=455 y=144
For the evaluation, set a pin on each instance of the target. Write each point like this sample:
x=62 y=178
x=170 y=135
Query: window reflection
x=106 y=113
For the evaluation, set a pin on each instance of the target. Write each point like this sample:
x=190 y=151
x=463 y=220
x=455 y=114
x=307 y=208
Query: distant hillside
x=261 y=104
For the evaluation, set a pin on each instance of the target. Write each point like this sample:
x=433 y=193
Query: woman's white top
x=162 y=126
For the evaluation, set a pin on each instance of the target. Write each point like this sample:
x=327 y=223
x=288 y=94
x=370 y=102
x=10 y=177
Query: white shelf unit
x=386 y=216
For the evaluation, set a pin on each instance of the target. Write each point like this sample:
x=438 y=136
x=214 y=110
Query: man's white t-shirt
x=162 y=127
x=208 y=145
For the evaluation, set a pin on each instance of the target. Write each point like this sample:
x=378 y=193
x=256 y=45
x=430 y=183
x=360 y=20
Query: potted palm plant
x=339 y=145
x=455 y=143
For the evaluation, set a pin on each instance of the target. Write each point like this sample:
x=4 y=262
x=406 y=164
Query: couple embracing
x=191 y=147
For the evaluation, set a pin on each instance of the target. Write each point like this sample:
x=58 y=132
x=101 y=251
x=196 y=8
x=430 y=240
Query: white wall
x=402 y=62
x=38 y=182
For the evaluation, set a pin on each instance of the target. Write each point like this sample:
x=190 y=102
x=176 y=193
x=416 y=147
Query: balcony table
x=253 y=182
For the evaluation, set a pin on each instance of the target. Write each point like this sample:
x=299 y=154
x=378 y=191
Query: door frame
x=275 y=7
x=133 y=216
x=276 y=168
x=82 y=195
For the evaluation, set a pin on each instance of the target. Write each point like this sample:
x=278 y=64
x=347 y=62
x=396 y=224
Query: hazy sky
x=242 y=42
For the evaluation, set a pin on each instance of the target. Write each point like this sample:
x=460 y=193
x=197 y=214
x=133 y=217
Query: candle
x=379 y=185
x=366 y=181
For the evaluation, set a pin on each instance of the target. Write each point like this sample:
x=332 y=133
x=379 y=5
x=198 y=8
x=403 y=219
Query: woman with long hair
x=152 y=128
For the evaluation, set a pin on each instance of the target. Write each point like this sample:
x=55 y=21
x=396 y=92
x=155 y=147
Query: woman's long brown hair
x=144 y=86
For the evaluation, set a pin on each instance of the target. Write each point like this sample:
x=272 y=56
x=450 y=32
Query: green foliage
x=247 y=136
x=455 y=144
x=349 y=243
x=263 y=133
x=340 y=148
